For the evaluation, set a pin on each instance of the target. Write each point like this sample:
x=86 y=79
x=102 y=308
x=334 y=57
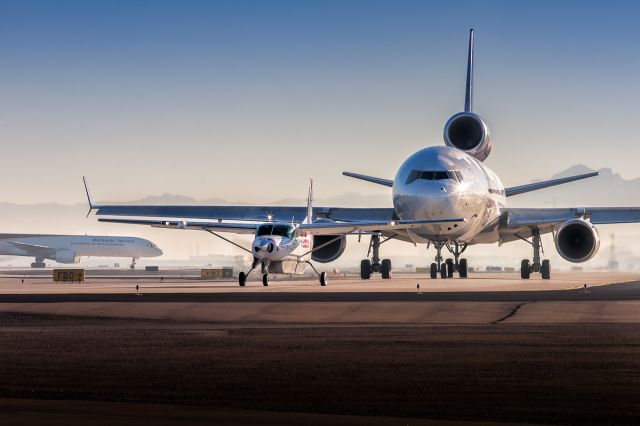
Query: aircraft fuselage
x=443 y=182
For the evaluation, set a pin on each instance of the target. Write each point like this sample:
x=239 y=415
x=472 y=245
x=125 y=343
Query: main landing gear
x=39 y=263
x=446 y=268
x=367 y=267
x=133 y=263
x=544 y=267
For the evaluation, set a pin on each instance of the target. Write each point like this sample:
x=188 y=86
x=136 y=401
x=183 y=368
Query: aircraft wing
x=329 y=228
x=247 y=213
x=215 y=226
x=517 y=223
x=34 y=249
x=517 y=190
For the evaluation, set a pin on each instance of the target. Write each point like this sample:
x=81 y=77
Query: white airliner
x=443 y=196
x=70 y=248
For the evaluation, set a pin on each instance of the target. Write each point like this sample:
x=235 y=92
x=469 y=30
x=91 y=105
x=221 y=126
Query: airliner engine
x=332 y=250
x=577 y=240
x=469 y=133
x=65 y=256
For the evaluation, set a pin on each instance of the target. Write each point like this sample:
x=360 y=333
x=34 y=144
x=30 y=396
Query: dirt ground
x=561 y=374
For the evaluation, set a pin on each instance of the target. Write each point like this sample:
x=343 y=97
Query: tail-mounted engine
x=577 y=240
x=469 y=133
x=466 y=130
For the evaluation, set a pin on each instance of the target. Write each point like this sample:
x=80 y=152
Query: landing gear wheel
x=365 y=269
x=525 y=269
x=434 y=271
x=443 y=270
x=462 y=268
x=385 y=269
x=265 y=280
x=242 y=279
x=450 y=268
x=545 y=269
x=323 y=279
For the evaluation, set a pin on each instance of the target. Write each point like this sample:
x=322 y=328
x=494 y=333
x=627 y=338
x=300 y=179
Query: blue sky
x=246 y=99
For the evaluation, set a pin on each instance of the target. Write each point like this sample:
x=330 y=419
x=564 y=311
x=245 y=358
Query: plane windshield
x=275 y=229
x=434 y=175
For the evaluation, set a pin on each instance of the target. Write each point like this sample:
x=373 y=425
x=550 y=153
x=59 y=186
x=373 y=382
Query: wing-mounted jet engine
x=328 y=247
x=577 y=240
x=465 y=130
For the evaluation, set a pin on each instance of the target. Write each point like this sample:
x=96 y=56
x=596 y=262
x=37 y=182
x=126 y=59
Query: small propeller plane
x=286 y=247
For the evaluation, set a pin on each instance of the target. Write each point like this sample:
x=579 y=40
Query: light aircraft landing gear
x=446 y=268
x=242 y=277
x=544 y=267
x=367 y=267
x=321 y=275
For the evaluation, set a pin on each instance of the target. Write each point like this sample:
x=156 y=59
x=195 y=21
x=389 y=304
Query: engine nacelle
x=469 y=133
x=577 y=240
x=65 y=256
x=331 y=251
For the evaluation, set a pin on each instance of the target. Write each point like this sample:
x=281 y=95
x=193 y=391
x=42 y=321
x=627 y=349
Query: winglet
x=309 y=218
x=86 y=189
x=468 y=98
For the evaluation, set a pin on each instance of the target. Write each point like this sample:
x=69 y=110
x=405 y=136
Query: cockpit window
x=152 y=245
x=275 y=229
x=434 y=175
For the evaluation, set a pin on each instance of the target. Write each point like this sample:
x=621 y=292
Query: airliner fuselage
x=440 y=182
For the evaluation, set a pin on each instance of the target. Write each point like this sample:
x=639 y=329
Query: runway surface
x=492 y=348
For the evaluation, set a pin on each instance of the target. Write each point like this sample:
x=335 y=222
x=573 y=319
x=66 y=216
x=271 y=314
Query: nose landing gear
x=367 y=267
x=446 y=268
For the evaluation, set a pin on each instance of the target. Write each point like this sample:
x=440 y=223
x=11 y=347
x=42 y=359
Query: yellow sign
x=216 y=273
x=68 y=275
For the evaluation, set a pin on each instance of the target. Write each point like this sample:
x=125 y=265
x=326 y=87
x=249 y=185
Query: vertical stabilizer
x=468 y=98
x=309 y=218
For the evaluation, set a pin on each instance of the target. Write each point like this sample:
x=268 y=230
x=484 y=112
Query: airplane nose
x=263 y=246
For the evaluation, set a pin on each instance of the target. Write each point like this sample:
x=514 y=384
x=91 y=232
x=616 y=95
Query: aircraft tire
x=434 y=271
x=365 y=269
x=265 y=280
x=242 y=279
x=450 y=268
x=525 y=269
x=462 y=268
x=323 y=279
x=443 y=270
x=385 y=269
x=545 y=269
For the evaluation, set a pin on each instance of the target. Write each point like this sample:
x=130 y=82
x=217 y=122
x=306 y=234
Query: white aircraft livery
x=70 y=248
x=443 y=196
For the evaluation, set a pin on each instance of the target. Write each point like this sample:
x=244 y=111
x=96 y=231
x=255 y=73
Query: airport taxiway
x=481 y=299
